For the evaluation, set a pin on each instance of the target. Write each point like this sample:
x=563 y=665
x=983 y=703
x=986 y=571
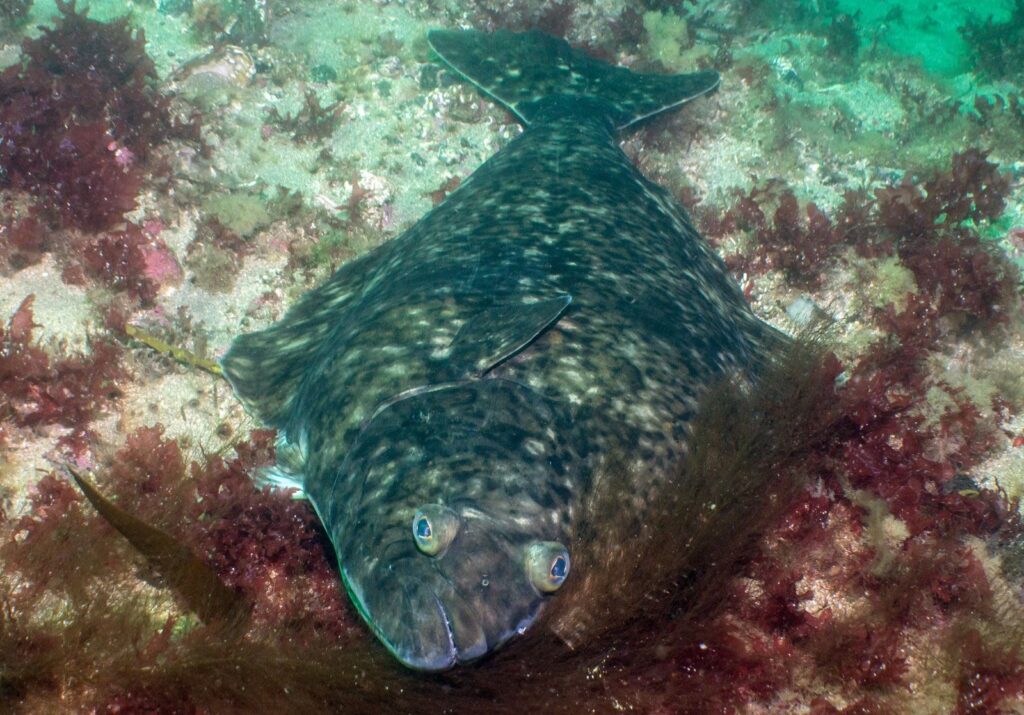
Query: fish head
x=456 y=528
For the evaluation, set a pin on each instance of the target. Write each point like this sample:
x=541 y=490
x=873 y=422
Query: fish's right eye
x=433 y=528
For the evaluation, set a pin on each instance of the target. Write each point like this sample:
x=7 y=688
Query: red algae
x=38 y=539
x=555 y=17
x=39 y=390
x=133 y=262
x=849 y=595
x=929 y=225
x=262 y=543
x=267 y=544
x=23 y=242
x=79 y=120
x=989 y=676
x=148 y=475
x=798 y=242
x=963 y=276
x=912 y=584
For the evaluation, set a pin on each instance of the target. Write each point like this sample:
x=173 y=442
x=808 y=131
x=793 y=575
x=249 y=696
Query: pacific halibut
x=445 y=400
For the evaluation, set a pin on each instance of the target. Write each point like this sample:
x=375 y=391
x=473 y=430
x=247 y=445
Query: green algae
x=213 y=269
x=244 y=214
x=669 y=42
x=890 y=282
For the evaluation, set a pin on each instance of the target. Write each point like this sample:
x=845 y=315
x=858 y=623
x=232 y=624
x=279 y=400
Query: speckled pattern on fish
x=557 y=308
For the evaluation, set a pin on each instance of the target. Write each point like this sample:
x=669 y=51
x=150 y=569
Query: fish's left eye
x=433 y=528
x=547 y=565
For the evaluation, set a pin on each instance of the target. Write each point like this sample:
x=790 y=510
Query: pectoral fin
x=493 y=336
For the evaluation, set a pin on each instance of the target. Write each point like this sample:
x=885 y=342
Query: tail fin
x=519 y=70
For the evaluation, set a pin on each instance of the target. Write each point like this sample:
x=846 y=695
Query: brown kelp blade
x=189 y=576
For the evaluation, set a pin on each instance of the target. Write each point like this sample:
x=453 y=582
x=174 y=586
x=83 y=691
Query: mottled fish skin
x=556 y=309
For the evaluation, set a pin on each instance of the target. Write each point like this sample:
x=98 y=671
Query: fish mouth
x=466 y=645
x=462 y=637
x=427 y=627
x=441 y=658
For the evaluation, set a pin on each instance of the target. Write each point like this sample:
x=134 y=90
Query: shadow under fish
x=451 y=400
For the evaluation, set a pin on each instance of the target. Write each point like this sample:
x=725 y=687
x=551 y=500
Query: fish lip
x=437 y=659
x=452 y=648
x=442 y=656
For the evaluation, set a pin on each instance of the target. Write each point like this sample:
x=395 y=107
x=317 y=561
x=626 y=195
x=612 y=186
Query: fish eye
x=547 y=565
x=433 y=528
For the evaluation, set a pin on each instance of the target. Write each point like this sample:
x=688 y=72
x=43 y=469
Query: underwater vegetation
x=930 y=225
x=310 y=123
x=13 y=12
x=79 y=119
x=39 y=390
x=851 y=563
x=81 y=129
x=997 y=48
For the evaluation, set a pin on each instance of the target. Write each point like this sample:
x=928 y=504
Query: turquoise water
x=927 y=31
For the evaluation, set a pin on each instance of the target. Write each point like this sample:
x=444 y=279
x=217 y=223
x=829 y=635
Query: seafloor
x=181 y=175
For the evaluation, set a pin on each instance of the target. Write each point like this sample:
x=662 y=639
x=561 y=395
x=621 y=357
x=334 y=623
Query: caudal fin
x=519 y=69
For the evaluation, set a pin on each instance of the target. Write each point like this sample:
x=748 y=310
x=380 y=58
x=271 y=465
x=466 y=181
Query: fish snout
x=439 y=594
x=420 y=617
x=446 y=632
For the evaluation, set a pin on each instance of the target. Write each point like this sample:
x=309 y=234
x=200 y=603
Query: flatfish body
x=446 y=400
